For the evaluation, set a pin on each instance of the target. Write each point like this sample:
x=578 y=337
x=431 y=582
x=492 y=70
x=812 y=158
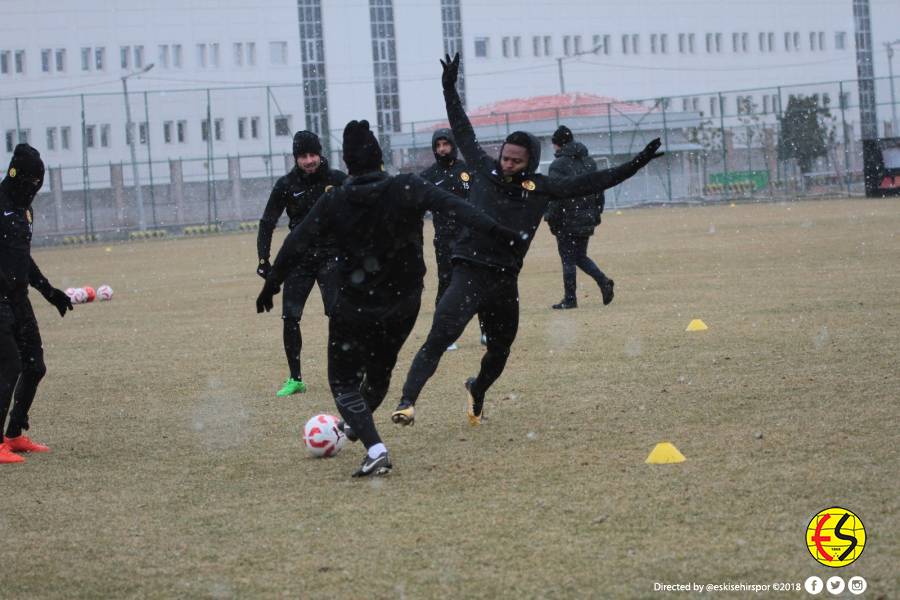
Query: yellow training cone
x=697 y=325
x=665 y=453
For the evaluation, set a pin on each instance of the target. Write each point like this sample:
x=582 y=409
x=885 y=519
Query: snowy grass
x=175 y=472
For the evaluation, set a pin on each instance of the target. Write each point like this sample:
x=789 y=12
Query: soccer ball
x=322 y=436
x=104 y=292
x=70 y=292
x=79 y=296
x=90 y=294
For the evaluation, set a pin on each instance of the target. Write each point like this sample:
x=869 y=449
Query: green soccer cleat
x=291 y=386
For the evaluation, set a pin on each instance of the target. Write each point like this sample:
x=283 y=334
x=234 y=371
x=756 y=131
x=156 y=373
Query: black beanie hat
x=519 y=138
x=361 y=150
x=562 y=136
x=25 y=167
x=306 y=142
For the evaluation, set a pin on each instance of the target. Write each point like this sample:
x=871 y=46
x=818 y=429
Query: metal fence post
x=722 y=131
x=18 y=124
x=269 y=129
x=845 y=137
x=778 y=141
x=666 y=143
x=85 y=176
x=612 y=151
x=149 y=159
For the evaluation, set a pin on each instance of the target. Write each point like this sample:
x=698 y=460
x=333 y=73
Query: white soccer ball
x=79 y=296
x=70 y=292
x=104 y=292
x=322 y=436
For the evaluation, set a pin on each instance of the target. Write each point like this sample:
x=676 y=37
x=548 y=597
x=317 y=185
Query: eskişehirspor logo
x=835 y=537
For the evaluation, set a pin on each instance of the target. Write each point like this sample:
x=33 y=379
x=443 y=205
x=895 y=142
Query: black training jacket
x=578 y=215
x=516 y=202
x=17 y=268
x=296 y=193
x=450 y=174
x=377 y=221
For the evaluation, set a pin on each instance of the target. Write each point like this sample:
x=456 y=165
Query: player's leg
x=347 y=351
x=458 y=305
x=500 y=315
x=443 y=254
x=10 y=368
x=297 y=287
x=396 y=328
x=580 y=245
x=566 y=247
x=31 y=353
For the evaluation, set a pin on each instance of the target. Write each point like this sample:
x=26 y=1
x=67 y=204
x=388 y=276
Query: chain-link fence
x=210 y=156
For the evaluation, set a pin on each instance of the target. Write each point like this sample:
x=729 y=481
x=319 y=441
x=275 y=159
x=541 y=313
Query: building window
x=46 y=61
x=625 y=43
x=90 y=133
x=138 y=57
x=840 y=40
x=601 y=44
x=219 y=129
x=312 y=65
x=576 y=41
x=691 y=39
x=387 y=92
x=771 y=36
x=548 y=45
x=202 y=56
x=536 y=43
x=713 y=103
x=164 y=56
x=125 y=56
x=282 y=125
x=104 y=136
x=664 y=43
x=20 y=61
x=143 y=133
x=242 y=128
x=278 y=53
x=204 y=130
x=167 y=132
x=214 y=55
x=60 y=60
x=517 y=46
x=51 y=138
x=4 y=62
x=822 y=41
x=635 y=43
x=505 y=45
x=682 y=43
x=251 y=54
x=65 y=136
x=85 y=59
x=10 y=140
x=100 y=58
x=181 y=132
x=176 y=56
x=238 y=54
x=654 y=43
x=254 y=128
x=481 y=47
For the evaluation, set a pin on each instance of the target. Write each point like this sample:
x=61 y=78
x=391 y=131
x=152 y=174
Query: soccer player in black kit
x=296 y=193
x=448 y=173
x=485 y=273
x=21 y=351
x=377 y=221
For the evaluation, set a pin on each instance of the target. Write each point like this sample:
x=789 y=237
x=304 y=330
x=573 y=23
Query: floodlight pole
x=130 y=134
x=889 y=46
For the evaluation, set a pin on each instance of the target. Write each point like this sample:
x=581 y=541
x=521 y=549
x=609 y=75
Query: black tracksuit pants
x=362 y=351
x=297 y=287
x=475 y=289
x=443 y=254
x=573 y=254
x=21 y=361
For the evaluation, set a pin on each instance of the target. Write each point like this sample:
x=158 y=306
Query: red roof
x=539 y=108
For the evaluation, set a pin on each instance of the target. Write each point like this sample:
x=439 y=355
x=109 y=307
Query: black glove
x=451 y=71
x=650 y=152
x=264 y=301
x=59 y=299
x=512 y=237
x=263 y=268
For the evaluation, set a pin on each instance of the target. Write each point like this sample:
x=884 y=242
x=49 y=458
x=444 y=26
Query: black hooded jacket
x=377 y=221
x=450 y=174
x=296 y=192
x=516 y=202
x=17 y=268
x=578 y=215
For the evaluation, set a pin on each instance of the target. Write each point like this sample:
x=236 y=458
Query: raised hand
x=651 y=151
x=451 y=71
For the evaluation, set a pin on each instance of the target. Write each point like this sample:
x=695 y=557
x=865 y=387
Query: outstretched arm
x=591 y=183
x=433 y=198
x=459 y=121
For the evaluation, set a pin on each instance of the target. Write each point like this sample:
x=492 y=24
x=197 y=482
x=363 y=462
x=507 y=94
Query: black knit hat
x=361 y=150
x=25 y=175
x=562 y=136
x=306 y=142
x=519 y=138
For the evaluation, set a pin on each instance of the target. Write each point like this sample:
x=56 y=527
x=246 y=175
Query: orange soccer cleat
x=23 y=443
x=8 y=456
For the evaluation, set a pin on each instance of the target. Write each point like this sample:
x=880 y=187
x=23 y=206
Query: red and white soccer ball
x=104 y=292
x=77 y=295
x=322 y=436
x=89 y=293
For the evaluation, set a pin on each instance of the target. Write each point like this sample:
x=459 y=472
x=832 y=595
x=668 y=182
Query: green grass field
x=175 y=472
